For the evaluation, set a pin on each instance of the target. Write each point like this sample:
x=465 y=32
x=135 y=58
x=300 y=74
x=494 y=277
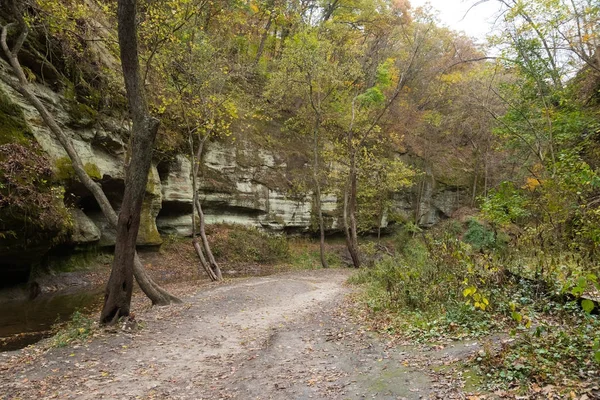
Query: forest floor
x=286 y=336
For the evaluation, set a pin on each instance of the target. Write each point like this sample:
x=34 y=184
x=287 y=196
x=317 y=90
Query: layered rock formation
x=240 y=182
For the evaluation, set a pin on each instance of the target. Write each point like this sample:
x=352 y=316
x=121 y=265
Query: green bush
x=479 y=236
x=411 y=279
x=436 y=285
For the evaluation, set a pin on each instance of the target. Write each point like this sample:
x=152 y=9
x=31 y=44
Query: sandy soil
x=287 y=336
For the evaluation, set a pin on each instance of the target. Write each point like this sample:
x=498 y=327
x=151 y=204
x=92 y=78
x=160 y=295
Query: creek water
x=24 y=321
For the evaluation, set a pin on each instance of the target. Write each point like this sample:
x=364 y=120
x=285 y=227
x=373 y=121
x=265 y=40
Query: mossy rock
x=64 y=171
x=13 y=127
x=81 y=115
x=93 y=171
x=148 y=233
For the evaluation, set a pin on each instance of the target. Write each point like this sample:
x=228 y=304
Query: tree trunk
x=195 y=242
x=318 y=195
x=203 y=262
x=197 y=246
x=352 y=214
x=379 y=223
x=263 y=40
x=156 y=294
x=211 y=266
x=211 y=258
x=117 y=298
x=349 y=209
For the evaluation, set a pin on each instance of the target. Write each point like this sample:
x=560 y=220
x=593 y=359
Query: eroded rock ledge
x=240 y=183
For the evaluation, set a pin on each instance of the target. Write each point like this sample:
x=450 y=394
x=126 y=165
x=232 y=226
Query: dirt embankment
x=287 y=336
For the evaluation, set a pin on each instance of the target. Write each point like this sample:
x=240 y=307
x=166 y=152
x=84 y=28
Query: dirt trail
x=281 y=337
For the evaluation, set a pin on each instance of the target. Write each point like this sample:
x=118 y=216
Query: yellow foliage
x=531 y=184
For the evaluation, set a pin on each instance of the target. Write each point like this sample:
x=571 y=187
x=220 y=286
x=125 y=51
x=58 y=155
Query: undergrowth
x=80 y=327
x=452 y=284
x=237 y=244
x=306 y=254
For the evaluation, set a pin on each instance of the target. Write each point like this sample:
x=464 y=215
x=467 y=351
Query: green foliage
x=387 y=74
x=379 y=178
x=479 y=236
x=421 y=278
x=372 y=96
x=238 y=244
x=548 y=355
x=305 y=254
x=439 y=287
x=31 y=207
x=79 y=328
x=505 y=205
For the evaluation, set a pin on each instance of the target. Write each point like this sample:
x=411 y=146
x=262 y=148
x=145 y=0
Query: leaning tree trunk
x=195 y=241
x=318 y=203
x=197 y=244
x=212 y=262
x=211 y=258
x=156 y=294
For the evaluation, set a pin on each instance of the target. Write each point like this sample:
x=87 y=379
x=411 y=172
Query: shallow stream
x=24 y=321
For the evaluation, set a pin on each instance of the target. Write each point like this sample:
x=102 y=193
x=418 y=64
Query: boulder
x=85 y=230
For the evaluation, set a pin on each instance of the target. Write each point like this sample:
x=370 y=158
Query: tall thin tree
x=145 y=127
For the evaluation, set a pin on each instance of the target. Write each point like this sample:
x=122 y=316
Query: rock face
x=429 y=202
x=85 y=231
x=239 y=183
x=99 y=141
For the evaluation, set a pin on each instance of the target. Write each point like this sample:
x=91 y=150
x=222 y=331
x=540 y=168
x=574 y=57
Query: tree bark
x=211 y=266
x=211 y=258
x=349 y=228
x=263 y=40
x=352 y=214
x=195 y=242
x=117 y=297
x=157 y=295
x=350 y=195
x=200 y=254
x=318 y=204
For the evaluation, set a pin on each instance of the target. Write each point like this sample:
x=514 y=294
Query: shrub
x=548 y=354
x=31 y=208
x=478 y=236
x=79 y=327
x=414 y=278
